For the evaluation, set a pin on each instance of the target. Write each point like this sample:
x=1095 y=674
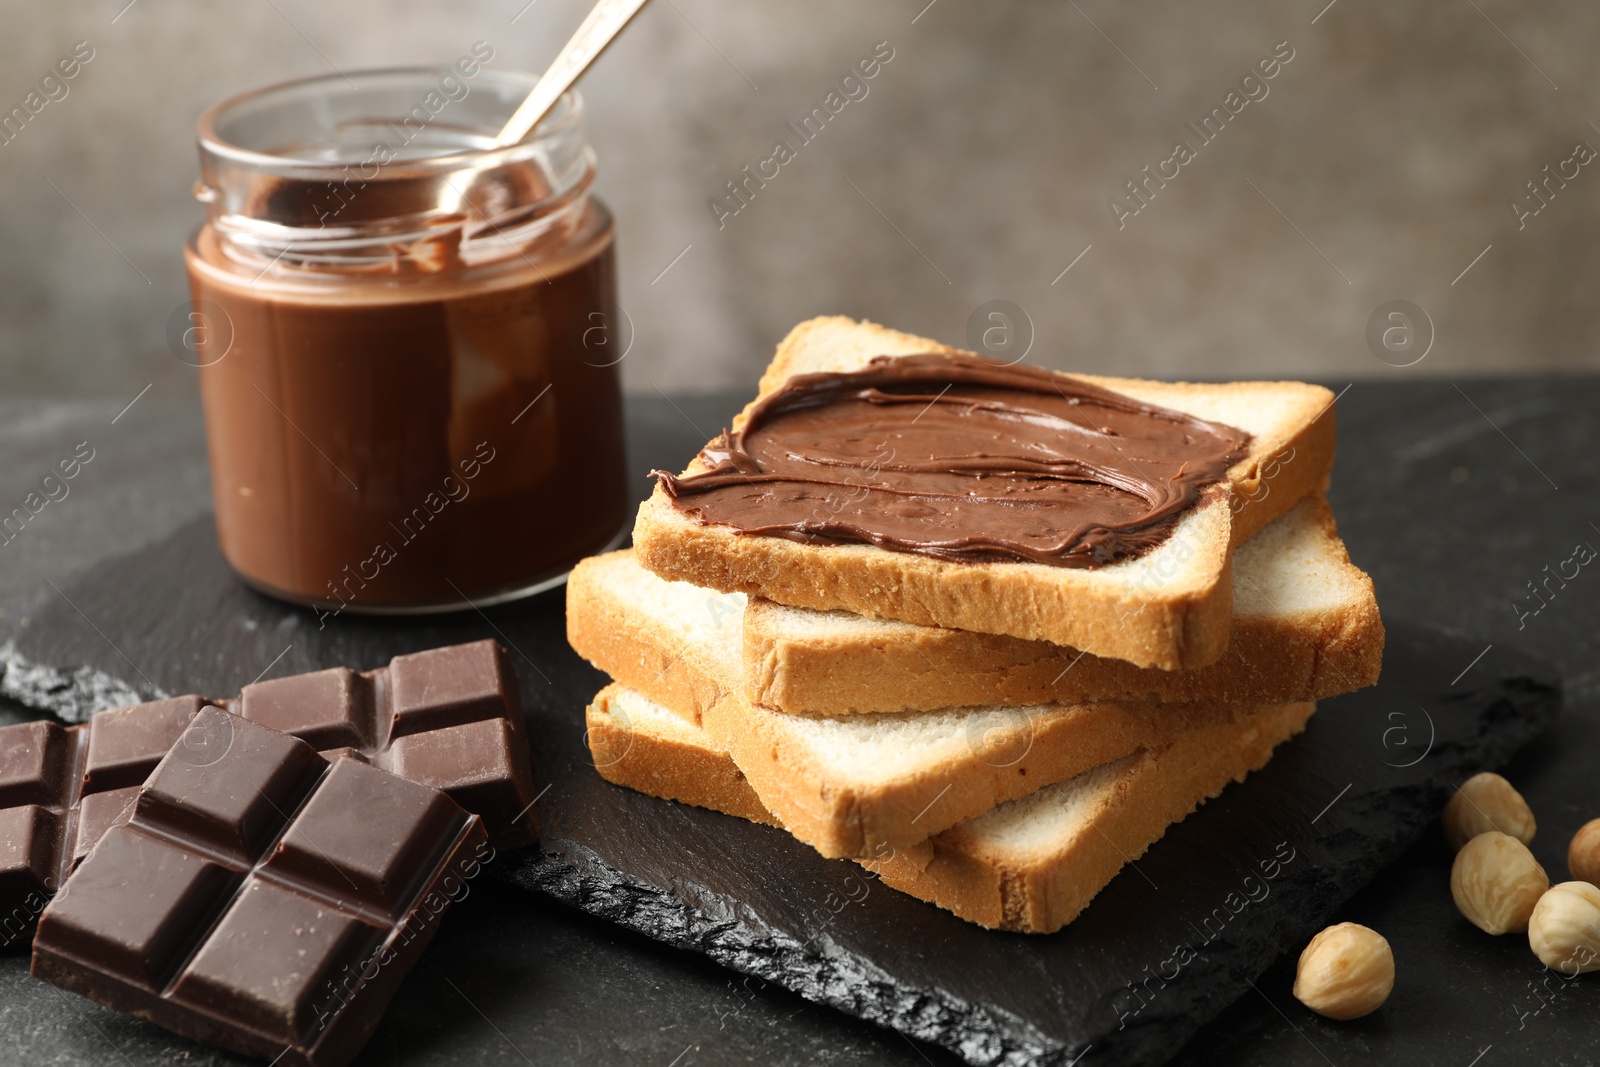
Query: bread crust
x=677 y=672
x=962 y=869
x=1158 y=616
x=665 y=766
x=1272 y=657
x=1169 y=609
x=1004 y=754
x=842 y=818
x=966 y=873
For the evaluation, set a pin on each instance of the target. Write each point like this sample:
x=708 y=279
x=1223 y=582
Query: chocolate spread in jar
x=954 y=457
x=395 y=441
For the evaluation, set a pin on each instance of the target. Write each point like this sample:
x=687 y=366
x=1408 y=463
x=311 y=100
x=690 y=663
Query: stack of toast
x=998 y=738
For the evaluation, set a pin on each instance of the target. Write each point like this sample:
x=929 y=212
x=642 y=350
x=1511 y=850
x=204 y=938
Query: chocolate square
x=447 y=687
x=275 y=958
x=478 y=765
x=98 y=813
x=126 y=743
x=28 y=836
x=326 y=709
x=365 y=834
x=33 y=761
x=236 y=791
x=132 y=906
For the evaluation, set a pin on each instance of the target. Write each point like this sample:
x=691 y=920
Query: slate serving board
x=1165 y=947
x=1168 y=945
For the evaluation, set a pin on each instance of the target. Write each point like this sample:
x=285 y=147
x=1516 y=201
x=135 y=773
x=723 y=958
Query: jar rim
x=568 y=111
x=284 y=179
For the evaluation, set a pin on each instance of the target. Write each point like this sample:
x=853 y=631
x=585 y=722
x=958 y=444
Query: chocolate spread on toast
x=959 y=458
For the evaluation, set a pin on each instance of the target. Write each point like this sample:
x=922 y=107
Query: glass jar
x=407 y=341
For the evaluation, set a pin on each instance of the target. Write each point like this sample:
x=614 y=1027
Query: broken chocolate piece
x=449 y=718
x=260 y=898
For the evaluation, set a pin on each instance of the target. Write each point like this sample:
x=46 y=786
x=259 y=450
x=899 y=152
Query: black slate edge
x=73 y=694
x=577 y=876
x=1349 y=859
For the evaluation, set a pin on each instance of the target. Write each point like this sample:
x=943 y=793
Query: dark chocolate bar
x=449 y=718
x=260 y=897
x=61 y=788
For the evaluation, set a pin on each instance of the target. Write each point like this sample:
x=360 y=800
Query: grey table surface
x=1453 y=496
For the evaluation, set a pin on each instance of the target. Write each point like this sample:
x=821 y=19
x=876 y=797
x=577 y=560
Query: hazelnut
x=1564 y=931
x=1347 y=971
x=1583 y=855
x=1496 y=882
x=1487 y=802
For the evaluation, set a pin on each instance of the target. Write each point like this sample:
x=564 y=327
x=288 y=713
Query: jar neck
x=365 y=218
x=389 y=170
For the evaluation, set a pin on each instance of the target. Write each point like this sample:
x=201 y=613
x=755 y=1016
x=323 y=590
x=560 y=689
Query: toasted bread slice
x=851 y=784
x=638 y=743
x=1030 y=865
x=1305 y=627
x=1169 y=608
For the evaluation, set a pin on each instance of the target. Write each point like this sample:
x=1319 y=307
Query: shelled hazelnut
x=1496 y=882
x=1487 y=802
x=1583 y=855
x=1564 y=930
x=1347 y=971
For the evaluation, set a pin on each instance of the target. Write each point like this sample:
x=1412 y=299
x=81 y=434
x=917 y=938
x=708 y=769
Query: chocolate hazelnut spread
x=374 y=449
x=959 y=458
x=411 y=389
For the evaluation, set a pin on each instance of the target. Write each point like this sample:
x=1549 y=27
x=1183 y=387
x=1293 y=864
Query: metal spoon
x=591 y=38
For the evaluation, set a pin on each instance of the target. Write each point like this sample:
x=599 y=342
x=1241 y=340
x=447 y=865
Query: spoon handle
x=591 y=38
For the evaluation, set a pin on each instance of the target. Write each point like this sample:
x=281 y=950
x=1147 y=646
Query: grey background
x=977 y=168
